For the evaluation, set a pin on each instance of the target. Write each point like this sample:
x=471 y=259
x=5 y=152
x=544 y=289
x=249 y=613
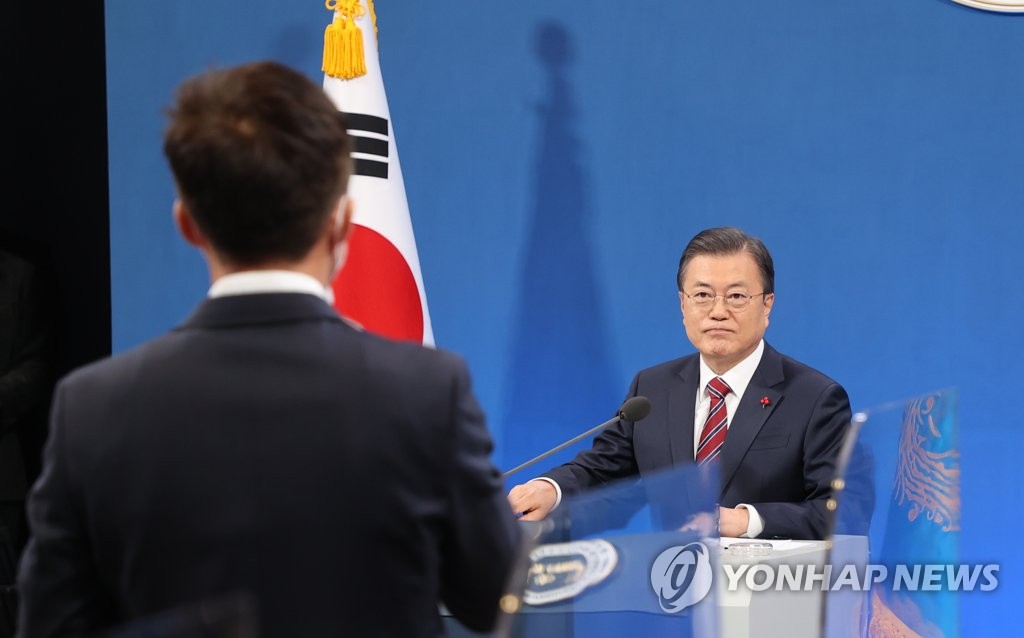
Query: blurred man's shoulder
x=115 y=367
x=413 y=357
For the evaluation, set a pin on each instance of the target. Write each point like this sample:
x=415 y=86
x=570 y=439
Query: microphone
x=633 y=409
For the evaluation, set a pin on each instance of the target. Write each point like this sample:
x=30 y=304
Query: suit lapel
x=751 y=415
x=682 y=398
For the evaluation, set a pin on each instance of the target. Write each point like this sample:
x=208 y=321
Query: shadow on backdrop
x=561 y=381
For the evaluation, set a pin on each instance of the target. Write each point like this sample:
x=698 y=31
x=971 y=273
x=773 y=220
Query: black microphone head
x=635 y=408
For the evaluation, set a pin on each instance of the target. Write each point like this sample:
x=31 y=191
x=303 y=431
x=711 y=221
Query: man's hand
x=534 y=500
x=703 y=523
x=733 y=521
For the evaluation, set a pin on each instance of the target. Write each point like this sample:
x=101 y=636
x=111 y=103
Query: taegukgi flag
x=380 y=287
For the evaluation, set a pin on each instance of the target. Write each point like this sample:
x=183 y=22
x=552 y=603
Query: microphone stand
x=561 y=447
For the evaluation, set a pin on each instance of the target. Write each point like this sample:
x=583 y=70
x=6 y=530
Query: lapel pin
x=765 y=402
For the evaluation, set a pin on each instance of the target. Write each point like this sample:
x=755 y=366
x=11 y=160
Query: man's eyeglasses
x=735 y=300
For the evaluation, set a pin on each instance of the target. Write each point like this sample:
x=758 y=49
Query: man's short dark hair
x=729 y=240
x=260 y=155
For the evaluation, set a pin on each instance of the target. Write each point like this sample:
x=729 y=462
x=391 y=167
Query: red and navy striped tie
x=712 y=437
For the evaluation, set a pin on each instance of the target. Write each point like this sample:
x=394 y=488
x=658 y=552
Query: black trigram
x=361 y=123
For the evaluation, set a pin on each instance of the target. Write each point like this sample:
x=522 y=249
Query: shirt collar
x=255 y=282
x=737 y=377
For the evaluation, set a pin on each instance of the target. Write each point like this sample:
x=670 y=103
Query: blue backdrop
x=558 y=156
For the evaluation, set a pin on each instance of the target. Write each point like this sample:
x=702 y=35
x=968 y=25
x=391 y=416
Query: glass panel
x=898 y=521
x=631 y=559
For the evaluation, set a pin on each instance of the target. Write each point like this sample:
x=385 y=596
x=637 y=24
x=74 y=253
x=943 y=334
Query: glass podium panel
x=634 y=558
x=895 y=547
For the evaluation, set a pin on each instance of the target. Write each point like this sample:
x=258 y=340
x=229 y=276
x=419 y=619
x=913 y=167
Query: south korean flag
x=381 y=286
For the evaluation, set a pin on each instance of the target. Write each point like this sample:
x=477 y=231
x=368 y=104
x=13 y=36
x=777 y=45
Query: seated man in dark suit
x=264 y=447
x=773 y=425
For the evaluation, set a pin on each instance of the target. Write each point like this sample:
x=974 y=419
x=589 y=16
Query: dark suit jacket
x=267 y=447
x=780 y=458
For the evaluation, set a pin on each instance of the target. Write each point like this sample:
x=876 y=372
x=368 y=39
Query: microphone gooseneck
x=633 y=409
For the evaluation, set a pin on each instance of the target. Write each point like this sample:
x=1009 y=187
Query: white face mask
x=341 y=250
x=340 y=254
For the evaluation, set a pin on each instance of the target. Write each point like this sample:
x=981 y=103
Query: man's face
x=724 y=335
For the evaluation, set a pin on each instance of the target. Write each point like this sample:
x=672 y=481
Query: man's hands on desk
x=732 y=522
x=534 y=500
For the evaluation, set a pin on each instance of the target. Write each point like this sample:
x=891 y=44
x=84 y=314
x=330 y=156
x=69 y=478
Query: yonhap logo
x=681 y=576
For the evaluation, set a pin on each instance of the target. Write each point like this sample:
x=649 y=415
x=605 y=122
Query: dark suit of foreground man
x=785 y=423
x=265 y=446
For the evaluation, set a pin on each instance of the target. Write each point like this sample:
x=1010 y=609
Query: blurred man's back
x=266 y=447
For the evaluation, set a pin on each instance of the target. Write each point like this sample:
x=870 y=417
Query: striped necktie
x=712 y=437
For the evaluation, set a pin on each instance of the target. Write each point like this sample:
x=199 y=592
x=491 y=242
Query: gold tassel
x=373 y=19
x=343 y=41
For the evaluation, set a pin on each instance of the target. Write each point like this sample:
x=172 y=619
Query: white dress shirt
x=251 y=282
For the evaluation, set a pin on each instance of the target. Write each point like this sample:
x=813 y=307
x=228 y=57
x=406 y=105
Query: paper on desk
x=776 y=543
